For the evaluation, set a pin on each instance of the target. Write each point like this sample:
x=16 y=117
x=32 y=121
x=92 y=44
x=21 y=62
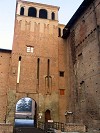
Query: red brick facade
x=60 y=75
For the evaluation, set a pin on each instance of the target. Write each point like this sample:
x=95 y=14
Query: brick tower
x=35 y=70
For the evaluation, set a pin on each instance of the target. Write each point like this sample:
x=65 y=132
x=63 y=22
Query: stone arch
x=43 y=13
x=22 y=11
x=26 y=113
x=53 y=16
x=32 y=12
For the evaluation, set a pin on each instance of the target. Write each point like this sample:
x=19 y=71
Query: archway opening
x=47 y=115
x=32 y=12
x=43 y=13
x=53 y=16
x=22 y=11
x=26 y=113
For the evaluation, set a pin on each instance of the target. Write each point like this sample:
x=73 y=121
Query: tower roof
x=40 y=4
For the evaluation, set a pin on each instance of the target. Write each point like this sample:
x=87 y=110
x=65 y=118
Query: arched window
x=32 y=12
x=59 y=32
x=22 y=11
x=53 y=16
x=43 y=13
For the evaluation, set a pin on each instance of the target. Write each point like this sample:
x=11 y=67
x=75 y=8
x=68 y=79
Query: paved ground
x=27 y=130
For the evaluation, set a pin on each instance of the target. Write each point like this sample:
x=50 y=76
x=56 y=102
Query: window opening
x=61 y=74
x=18 y=72
x=30 y=49
x=48 y=71
x=22 y=11
x=32 y=12
x=62 y=92
x=20 y=58
x=43 y=13
x=38 y=65
x=53 y=16
x=59 y=32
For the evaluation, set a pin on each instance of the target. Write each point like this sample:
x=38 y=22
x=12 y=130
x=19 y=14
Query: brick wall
x=6 y=128
x=86 y=66
x=75 y=128
x=42 y=36
x=4 y=75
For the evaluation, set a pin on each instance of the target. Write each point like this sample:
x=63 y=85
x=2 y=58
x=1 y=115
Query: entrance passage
x=47 y=115
x=26 y=112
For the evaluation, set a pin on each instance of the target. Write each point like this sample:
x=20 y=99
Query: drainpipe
x=96 y=24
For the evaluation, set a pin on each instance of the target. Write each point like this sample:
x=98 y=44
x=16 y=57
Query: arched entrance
x=47 y=115
x=26 y=113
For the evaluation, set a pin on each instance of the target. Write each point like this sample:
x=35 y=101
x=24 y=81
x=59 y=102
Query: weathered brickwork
x=6 y=128
x=85 y=52
x=4 y=79
x=61 y=75
x=45 y=87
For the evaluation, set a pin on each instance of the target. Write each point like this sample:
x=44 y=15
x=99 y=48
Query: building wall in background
x=84 y=41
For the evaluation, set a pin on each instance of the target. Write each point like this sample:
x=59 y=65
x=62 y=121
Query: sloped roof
x=5 y=50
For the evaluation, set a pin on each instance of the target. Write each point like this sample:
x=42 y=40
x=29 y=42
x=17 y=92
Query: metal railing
x=51 y=126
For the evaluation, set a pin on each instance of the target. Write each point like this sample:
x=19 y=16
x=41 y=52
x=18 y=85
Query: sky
x=7 y=16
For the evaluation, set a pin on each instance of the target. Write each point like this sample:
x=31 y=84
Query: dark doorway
x=26 y=113
x=47 y=115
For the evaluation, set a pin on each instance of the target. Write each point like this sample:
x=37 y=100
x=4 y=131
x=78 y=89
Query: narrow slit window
x=19 y=58
x=59 y=32
x=48 y=72
x=38 y=65
x=18 y=72
x=48 y=67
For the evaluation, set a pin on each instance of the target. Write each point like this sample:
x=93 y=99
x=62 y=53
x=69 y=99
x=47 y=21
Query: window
x=20 y=58
x=43 y=13
x=53 y=16
x=59 y=32
x=30 y=49
x=62 y=91
x=38 y=67
x=32 y=12
x=22 y=11
x=61 y=74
